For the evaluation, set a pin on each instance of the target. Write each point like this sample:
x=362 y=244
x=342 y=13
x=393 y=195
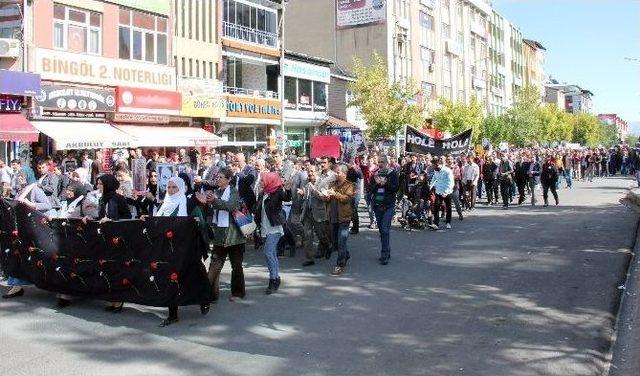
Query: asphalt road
x=528 y=291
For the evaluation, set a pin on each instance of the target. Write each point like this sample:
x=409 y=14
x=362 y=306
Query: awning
x=84 y=135
x=154 y=136
x=334 y=122
x=16 y=128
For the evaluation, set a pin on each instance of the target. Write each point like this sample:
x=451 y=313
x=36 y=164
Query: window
x=234 y=72
x=142 y=36
x=190 y=67
x=426 y=20
x=204 y=69
x=77 y=30
x=197 y=24
x=427 y=55
x=251 y=23
x=446 y=31
x=184 y=67
x=290 y=93
x=446 y=61
x=304 y=95
x=190 y=11
x=319 y=96
x=197 y=68
x=428 y=90
x=211 y=70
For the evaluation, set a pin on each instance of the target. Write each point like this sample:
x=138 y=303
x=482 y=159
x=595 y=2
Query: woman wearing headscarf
x=34 y=197
x=175 y=205
x=81 y=175
x=112 y=207
x=227 y=238
x=270 y=218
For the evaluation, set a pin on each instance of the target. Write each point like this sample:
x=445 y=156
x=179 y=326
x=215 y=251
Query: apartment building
x=613 y=119
x=533 y=54
x=453 y=49
x=576 y=98
x=250 y=72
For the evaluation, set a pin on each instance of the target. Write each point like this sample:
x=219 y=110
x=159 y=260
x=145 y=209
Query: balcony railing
x=268 y=94
x=250 y=35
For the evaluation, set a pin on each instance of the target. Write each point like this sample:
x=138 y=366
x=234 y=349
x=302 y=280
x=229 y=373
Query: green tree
x=456 y=117
x=524 y=117
x=587 y=129
x=608 y=135
x=387 y=107
x=555 y=124
x=495 y=128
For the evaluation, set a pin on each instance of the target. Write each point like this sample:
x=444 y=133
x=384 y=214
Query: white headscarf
x=178 y=200
x=83 y=174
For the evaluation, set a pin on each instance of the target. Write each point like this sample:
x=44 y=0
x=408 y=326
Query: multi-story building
x=251 y=55
x=533 y=54
x=499 y=74
x=577 y=99
x=554 y=95
x=515 y=58
x=613 y=119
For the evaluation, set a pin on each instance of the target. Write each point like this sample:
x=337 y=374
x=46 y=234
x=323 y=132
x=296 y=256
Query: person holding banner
x=383 y=187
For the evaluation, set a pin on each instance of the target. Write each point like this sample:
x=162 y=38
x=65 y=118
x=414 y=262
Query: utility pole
x=283 y=7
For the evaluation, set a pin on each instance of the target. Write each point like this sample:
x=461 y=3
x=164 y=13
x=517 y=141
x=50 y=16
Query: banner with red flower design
x=157 y=262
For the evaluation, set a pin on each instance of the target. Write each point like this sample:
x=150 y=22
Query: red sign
x=325 y=146
x=145 y=101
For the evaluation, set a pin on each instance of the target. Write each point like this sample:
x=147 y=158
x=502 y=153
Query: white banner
x=97 y=70
x=351 y=13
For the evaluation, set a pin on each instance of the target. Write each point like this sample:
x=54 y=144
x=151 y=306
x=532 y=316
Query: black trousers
x=355 y=218
x=491 y=185
x=236 y=256
x=505 y=191
x=522 y=185
x=545 y=192
x=438 y=207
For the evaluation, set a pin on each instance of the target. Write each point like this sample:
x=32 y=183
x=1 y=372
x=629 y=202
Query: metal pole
x=284 y=7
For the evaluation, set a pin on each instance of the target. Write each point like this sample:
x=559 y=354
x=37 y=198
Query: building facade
x=613 y=119
x=533 y=54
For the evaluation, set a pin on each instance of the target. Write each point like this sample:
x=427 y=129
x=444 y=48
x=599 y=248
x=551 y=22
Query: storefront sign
x=199 y=86
x=298 y=69
x=70 y=67
x=19 y=83
x=203 y=106
x=351 y=13
x=76 y=99
x=10 y=104
x=257 y=108
x=140 y=118
x=144 y=101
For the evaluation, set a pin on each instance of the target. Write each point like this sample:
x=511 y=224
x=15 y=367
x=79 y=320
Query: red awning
x=15 y=127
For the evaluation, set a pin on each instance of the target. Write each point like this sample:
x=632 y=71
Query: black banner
x=76 y=99
x=420 y=143
x=157 y=262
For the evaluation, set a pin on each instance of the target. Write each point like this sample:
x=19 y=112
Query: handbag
x=244 y=220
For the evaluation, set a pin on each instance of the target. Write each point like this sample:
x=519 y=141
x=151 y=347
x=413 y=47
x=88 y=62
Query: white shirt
x=471 y=172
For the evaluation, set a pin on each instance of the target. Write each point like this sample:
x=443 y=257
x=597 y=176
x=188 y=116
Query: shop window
x=142 y=36
x=234 y=72
x=77 y=30
x=319 y=96
x=245 y=134
x=261 y=134
x=290 y=93
x=304 y=95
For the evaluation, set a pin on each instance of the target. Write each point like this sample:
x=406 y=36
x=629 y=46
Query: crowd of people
x=297 y=203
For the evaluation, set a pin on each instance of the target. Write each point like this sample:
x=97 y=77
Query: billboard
x=352 y=13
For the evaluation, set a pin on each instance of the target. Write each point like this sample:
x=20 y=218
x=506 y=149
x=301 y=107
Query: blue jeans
x=384 y=215
x=271 y=254
x=367 y=199
x=568 y=172
x=340 y=236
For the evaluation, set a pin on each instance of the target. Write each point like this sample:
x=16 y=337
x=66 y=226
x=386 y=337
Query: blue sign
x=19 y=83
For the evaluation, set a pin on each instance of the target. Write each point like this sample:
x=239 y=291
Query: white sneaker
x=447 y=226
x=434 y=227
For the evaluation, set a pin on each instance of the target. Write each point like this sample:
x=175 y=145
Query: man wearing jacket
x=340 y=196
x=314 y=216
x=49 y=182
x=383 y=188
x=442 y=184
x=548 y=179
x=470 y=177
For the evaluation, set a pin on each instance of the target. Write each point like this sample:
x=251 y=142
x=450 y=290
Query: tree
x=586 y=129
x=386 y=107
x=555 y=124
x=458 y=117
x=608 y=135
x=495 y=128
x=523 y=117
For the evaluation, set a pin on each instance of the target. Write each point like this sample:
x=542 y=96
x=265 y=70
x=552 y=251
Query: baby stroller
x=413 y=215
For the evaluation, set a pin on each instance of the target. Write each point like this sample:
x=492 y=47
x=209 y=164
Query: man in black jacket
x=549 y=179
x=522 y=176
x=490 y=176
x=383 y=189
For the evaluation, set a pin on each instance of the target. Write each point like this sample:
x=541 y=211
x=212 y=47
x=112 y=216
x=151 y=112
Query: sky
x=587 y=42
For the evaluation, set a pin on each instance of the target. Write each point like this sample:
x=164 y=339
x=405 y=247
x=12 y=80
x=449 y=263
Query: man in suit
x=244 y=180
x=49 y=182
x=314 y=218
x=206 y=178
x=298 y=180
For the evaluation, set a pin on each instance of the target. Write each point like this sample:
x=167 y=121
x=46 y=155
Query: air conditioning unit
x=9 y=48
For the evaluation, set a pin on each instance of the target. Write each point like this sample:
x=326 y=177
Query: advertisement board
x=68 y=98
x=353 y=13
x=144 y=101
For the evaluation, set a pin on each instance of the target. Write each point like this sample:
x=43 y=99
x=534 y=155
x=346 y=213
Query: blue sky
x=586 y=42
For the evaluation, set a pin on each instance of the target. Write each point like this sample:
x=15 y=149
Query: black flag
x=420 y=143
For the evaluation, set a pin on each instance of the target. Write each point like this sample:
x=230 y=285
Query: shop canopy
x=84 y=135
x=154 y=136
x=16 y=128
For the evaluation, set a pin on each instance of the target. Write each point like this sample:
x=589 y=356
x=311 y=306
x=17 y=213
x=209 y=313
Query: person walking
x=470 y=177
x=383 y=188
x=314 y=215
x=534 y=178
x=340 y=196
x=442 y=184
x=490 y=175
x=549 y=178
x=505 y=174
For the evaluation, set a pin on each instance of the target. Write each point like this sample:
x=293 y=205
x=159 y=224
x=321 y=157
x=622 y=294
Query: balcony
x=479 y=29
x=452 y=48
x=249 y=35
x=268 y=94
x=479 y=83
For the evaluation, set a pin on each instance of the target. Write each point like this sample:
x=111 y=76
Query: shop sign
x=140 y=118
x=19 y=83
x=144 y=101
x=257 y=108
x=200 y=86
x=76 y=99
x=352 y=13
x=204 y=106
x=72 y=114
x=97 y=70
x=10 y=104
x=298 y=69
